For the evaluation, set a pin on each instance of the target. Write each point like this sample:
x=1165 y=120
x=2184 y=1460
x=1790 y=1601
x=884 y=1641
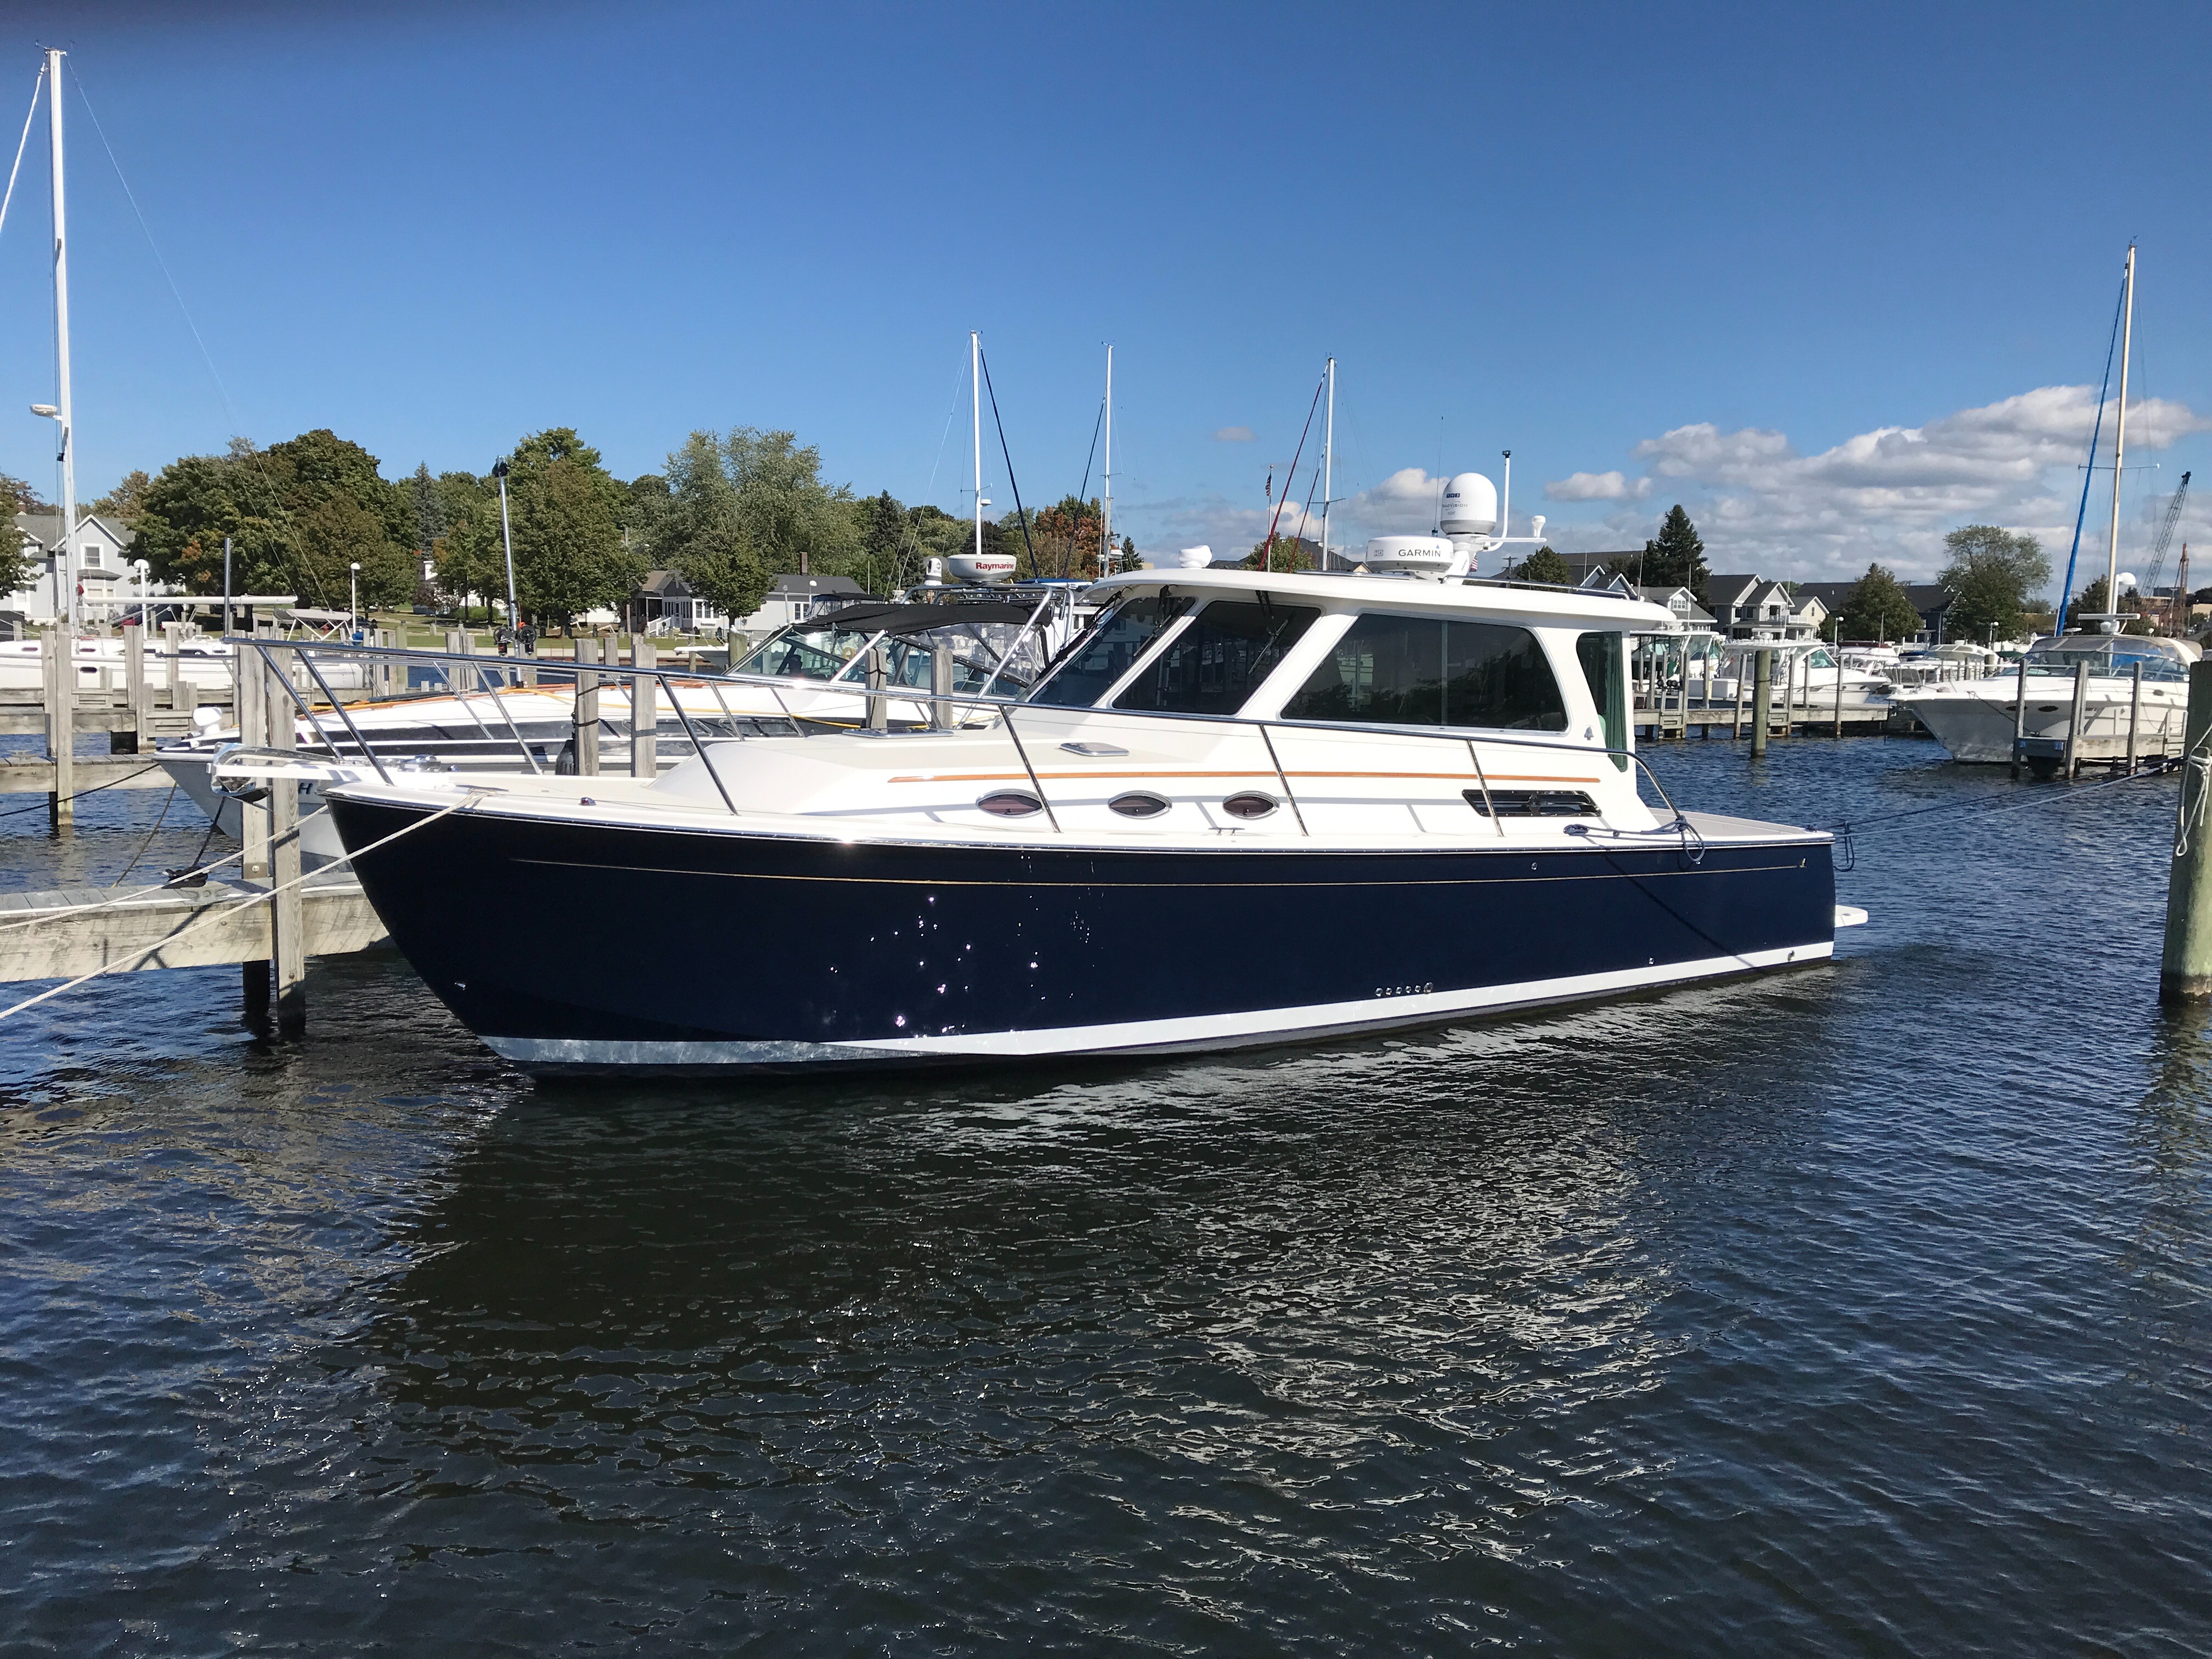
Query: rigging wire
x=29 y=116
x=2089 y=473
x=1283 y=500
x=1020 y=512
x=237 y=425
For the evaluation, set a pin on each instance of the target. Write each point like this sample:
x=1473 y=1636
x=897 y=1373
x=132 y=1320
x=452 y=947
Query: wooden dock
x=82 y=930
x=1659 y=723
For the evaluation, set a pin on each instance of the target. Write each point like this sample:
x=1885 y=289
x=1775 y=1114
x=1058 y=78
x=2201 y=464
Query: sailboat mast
x=1328 y=457
x=73 y=606
x=2120 y=448
x=975 y=413
x=1106 y=519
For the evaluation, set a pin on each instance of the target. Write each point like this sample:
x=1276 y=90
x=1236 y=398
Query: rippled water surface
x=1860 y=1310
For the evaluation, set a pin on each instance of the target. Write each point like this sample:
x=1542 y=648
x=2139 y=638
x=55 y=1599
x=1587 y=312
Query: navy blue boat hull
x=571 y=947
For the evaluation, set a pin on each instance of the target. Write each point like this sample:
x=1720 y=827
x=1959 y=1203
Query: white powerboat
x=1246 y=807
x=1974 y=719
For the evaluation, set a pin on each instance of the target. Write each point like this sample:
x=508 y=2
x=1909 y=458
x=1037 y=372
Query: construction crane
x=2149 y=590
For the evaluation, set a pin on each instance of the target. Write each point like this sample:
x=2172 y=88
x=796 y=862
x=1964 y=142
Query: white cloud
x=1889 y=494
x=1597 y=486
x=1234 y=435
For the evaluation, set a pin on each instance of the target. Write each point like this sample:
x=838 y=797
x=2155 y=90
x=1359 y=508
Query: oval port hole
x=1137 y=804
x=1011 y=804
x=1248 y=805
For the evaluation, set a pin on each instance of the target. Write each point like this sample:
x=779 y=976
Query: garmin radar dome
x=984 y=569
x=1432 y=557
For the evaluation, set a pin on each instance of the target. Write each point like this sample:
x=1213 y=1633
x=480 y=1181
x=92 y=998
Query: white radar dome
x=1194 y=558
x=1470 y=507
x=1414 y=556
x=981 y=567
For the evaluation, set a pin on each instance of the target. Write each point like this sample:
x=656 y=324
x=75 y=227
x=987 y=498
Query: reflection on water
x=1862 y=1307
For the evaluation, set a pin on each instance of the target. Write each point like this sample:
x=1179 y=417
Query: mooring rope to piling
x=2002 y=800
x=214 y=913
x=113 y=783
x=182 y=879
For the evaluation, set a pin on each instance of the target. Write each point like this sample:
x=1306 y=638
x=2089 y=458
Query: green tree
x=430 y=518
x=1283 y=553
x=298 y=513
x=566 y=510
x=122 y=504
x=1675 y=557
x=692 y=525
x=1992 y=578
x=1876 y=608
x=17 y=496
x=793 y=520
x=884 y=539
x=1545 y=566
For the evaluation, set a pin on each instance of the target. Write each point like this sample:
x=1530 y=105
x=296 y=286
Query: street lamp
x=144 y=595
x=353 y=601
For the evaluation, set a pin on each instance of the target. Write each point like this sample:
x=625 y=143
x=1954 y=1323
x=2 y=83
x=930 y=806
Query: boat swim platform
x=82 y=930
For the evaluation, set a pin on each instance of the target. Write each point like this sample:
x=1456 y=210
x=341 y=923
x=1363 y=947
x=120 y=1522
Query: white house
x=794 y=598
x=104 y=568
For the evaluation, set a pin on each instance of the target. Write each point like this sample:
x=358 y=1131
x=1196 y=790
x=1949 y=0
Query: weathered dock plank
x=80 y=929
x=33 y=775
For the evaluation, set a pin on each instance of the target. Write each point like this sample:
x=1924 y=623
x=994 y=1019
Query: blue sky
x=1815 y=272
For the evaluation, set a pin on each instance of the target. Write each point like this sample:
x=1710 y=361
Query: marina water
x=1856 y=1310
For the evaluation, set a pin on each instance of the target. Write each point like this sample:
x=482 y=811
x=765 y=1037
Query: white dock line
x=213 y=911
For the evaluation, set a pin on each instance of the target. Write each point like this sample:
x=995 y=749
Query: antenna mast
x=2120 y=452
x=975 y=415
x=1328 y=453
x=73 y=606
x=1106 y=524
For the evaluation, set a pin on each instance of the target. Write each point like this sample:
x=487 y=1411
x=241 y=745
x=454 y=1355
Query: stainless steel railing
x=961 y=706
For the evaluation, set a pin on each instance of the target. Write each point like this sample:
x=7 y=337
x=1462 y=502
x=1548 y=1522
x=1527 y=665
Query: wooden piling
x=253 y=732
x=137 y=696
x=288 y=921
x=1762 y=701
x=2185 y=972
x=587 y=709
x=2019 y=714
x=2134 y=715
x=58 y=651
x=1837 y=647
x=2074 y=725
x=644 y=712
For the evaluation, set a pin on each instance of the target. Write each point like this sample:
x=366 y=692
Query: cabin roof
x=1600 y=607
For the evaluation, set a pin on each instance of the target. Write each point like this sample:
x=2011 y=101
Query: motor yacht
x=1974 y=719
x=1244 y=808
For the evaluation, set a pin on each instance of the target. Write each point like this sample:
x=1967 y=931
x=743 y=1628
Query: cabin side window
x=1214 y=665
x=1431 y=671
x=1116 y=640
x=1601 y=656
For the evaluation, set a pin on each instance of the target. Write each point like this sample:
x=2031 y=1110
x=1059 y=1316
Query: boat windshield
x=1100 y=658
x=2108 y=653
x=824 y=651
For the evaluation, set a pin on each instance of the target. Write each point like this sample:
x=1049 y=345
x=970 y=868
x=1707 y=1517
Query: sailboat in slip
x=2098 y=694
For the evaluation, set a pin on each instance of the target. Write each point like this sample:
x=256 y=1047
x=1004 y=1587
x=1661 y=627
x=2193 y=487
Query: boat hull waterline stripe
x=1135 y=1037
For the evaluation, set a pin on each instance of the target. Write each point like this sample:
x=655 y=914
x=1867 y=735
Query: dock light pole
x=353 y=600
x=507 y=536
x=226 y=587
